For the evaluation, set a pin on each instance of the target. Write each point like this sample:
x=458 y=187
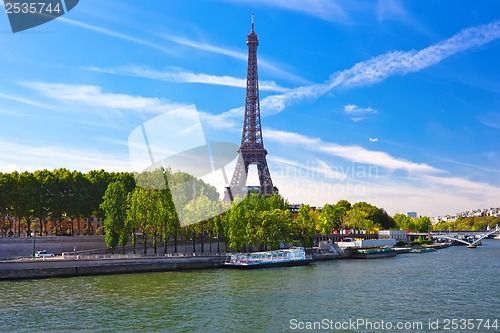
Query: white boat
x=373 y=253
x=279 y=258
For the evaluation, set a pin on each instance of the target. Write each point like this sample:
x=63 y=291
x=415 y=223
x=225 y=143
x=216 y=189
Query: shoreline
x=74 y=265
x=57 y=268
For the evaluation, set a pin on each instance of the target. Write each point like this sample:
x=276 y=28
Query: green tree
x=333 y=216
x=99 y=180
x=7 y=186
x=423 y=224
x=357 y=218
x=274 y=227
x=303 y=226
x=404 y=222
x=114 y=207
x=236 y=226
x=371 y=215
x=24 y=197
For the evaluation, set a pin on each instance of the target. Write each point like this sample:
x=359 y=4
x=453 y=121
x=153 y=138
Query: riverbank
x=74 y=264
x=50 y=268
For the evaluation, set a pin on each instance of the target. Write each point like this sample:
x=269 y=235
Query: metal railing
x=82 y=256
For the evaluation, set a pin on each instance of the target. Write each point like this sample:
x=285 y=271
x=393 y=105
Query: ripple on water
x=450 y=283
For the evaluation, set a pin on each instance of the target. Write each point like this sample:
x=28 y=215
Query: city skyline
x=387 y=102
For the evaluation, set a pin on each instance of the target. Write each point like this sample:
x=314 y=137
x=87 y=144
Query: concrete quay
x=56 y=267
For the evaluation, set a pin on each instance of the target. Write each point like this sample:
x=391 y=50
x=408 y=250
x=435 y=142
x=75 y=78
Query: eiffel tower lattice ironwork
x=252 y=149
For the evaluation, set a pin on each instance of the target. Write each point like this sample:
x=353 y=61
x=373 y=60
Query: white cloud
x=357 y=113
x=94 y=96
x=393 y=63
x=355 y=154
x=239 y=55
x=24 y=100
x=229 y=119
x=381 y=67
x=427 y=191
x=115 y=34
x=373 y=139
x=386 y=9
x=29 y=157
x=462 y=183
x=491 y=119
x=352 y=109
x=311 y=169
x=179 y=75
x=327 y=10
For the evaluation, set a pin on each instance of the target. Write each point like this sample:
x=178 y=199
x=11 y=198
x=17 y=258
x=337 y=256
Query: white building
x=412 y=214
x=398 y=235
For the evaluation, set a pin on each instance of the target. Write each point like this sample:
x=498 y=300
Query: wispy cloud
x=226 y=120
x=463 y=184
x=269 y=66
x=373 y=139
x=311 y=169
x=491 y=119
x=19 y=157
x=12 y=113
x=352 y=153
x=240 y=55
x=388 y=9
x=24 y=100
x=182 y=76
x=94 y=96
x=394 y=10
x=357 y=113
x=115 y=34
x=203 y=46
x=328 y=10
x=357 y=154
x=354 y=110
x=393 y=63
x=318 y=181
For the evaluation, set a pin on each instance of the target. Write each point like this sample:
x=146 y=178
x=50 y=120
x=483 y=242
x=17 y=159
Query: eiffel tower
x=252 y=149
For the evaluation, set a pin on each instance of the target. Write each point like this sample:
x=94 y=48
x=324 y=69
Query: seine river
x=451 y=290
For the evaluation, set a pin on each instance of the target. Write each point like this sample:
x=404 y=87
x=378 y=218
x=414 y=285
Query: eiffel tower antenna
x=252 y=149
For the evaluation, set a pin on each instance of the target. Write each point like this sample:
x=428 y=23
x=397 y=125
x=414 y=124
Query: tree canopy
x=161 y=205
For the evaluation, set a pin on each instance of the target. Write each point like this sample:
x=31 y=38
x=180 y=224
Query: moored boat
x=441 y=245
x=422 y=249
x=374 y=253
x=279 y=258
x=404 y=249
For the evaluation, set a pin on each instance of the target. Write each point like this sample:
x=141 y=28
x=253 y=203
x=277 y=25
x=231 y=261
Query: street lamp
x=34 y=238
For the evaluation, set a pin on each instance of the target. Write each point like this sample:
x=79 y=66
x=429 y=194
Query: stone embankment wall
x=48 y=268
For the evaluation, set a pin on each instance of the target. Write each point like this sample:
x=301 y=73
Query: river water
x=409 y=293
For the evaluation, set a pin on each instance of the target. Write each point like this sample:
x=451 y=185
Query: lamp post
x=34 y=238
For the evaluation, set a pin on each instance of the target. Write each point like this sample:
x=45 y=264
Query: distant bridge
x=472 y=244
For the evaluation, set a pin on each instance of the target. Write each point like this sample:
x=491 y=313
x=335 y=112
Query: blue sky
x=390 y=102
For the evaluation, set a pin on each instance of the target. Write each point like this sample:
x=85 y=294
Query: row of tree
x=163 y=213
x=161 y=206
x=468 y=223
x=59 y=196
